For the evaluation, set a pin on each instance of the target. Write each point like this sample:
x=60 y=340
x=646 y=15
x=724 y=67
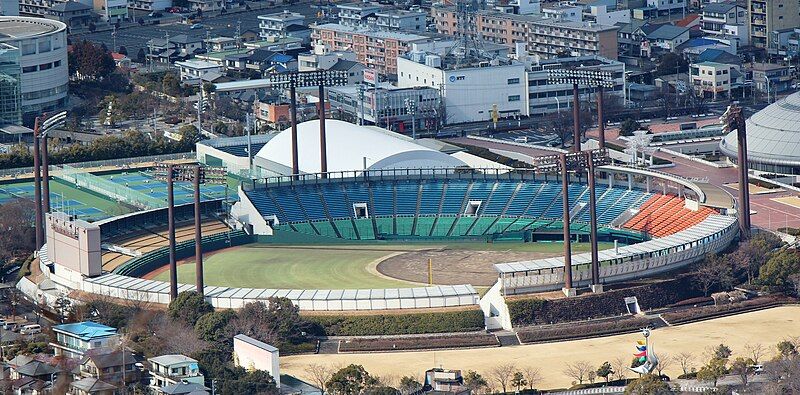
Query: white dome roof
x=773 y=134
x=348 y=144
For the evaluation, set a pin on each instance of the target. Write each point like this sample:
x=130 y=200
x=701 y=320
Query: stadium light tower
x=595 y=78
x=733 y=118
x=576 y=162
x=197 y=174
x=321 y=79
x=41 y=169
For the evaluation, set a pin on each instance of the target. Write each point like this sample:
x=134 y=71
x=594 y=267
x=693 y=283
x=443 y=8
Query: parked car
x=155 y=14
x=196 y=26
x=30 y=329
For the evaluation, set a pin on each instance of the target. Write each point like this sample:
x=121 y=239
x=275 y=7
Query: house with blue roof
x=76 y=339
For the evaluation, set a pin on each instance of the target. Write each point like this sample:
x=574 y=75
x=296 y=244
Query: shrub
x=419 y=343
x=399 y=324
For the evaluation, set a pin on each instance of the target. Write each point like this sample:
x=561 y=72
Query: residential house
x=183 y=389
x=322 y=61
x=91 y=386
x=219 y=44
x=395 y=19
x=445 y=382
x=779 y=76
x=123 y=62
x=111 y=367
x=173 y=369
x=193 y=70
x=666 y=7
x=712 y=80
x=111 y=11
x=665 y=38
x=277 y=25
x=74 y=340
x=179 y=47
x=726 y=21
x=354 y=70
x=72 y=13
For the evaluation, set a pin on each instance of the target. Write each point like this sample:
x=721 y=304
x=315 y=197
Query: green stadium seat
x=385 y=225
x=462 y=226
x=481 y=225
x=442 y=227
x=424 y=226
x=404 y=226
x=365 y=230
x=500 y=226
x=345 y=227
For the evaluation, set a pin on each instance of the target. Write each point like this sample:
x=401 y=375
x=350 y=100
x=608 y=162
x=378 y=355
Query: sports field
x=67 y=198
x=766 y=327
x=358 y=266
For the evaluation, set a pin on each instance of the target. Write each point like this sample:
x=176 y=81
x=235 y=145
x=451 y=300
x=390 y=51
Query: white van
x=30 y=329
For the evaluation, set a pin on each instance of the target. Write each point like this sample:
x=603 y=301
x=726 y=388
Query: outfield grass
x=323 y=267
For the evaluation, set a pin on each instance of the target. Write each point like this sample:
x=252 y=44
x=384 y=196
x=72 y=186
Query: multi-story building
x=43 y=59
x=148 y=5
x=206 y=5
x=193 y=70
x=473 y=88
x=374 y=49
x=551 y=39
x=112 y=367
x=171 y=369
x=276 y=25
x=779 y=76
x=322 y=61
x=111 y=11
x=771 y=15
x=666 y=7
x=712 y=80
x=74 y=340
x=726 y=21
x=395 y=108
x=9 y=7
x=545 y=98
x=10 y=86
x=563 y=12
x=71 y=13
x=357 y=14
x=545 y=37
x=394 y=20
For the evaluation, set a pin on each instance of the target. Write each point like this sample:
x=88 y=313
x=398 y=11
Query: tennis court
x=184 y=191
x=67 y=198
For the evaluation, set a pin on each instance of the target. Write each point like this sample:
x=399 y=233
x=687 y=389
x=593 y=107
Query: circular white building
x=773 y=138
x=42 y=45
x=349 y=148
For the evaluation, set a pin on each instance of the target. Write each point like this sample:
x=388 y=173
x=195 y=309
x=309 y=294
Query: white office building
x=472 y=88
x=43 y=58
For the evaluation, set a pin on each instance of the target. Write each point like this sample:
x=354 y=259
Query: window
x=28 y=47
x=513 y=98
x=46 y=66
x=44 y=45
x=512 y=81
x=29 y=69
x=57 y=63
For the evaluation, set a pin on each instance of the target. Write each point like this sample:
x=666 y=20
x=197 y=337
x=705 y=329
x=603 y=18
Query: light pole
x=41 y=172
x=576 y=77
x=734 y=119
x=411 y=108
x=766 y=79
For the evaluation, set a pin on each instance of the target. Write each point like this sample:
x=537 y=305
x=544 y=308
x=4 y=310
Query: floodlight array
x=185 y=172
x=312 y=78
x=601 y=78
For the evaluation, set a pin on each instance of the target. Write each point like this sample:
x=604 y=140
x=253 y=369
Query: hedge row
x=419 y=343
x=399 y=324
x=533 y=311
x=708 y=312
x=581 y=330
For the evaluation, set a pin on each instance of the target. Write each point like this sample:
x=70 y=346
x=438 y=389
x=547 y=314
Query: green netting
x=462 y=226
x=385 y=225
x=481 y=225
x=304 y=227
x=365 y=230
x=500 y=226
x=404 y=226
x=424 y=225
x=345 y=227
x=84 y=179
x=325 y=229
x=442 y=226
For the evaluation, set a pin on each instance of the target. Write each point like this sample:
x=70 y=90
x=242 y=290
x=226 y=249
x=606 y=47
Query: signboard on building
x=370 y=76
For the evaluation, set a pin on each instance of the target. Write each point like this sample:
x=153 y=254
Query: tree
x=532 y=376
x=664 y=360
x=188 y=307
x=786 y=349
x=171 y=85
x=713 y=271
x=276 y=322
x=189 y=136
x=381 y=390
x=502 y=374
x=742 y=367
x=244 y=382
x=474 y=381
x=518 y=381
x=213 y=327
x=141 y=56
x=628 y=126
x=778 y=268
x=713 y=371
x=18 y=237
x=671 y=63
x=592 y=376
x=90 y=61
x=352 y=379
x=648 y=384
x=320 y=374
x=605 y=371
x=685 y=359
x=722 y=352
x=755 y=351
x=578 y=370
x=409 y=385
x=619 y=366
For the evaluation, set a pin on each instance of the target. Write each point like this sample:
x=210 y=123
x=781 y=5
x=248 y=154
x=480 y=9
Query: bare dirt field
x=453 y=266
x=766 y=327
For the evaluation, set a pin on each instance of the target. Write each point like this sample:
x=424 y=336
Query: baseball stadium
x=380 y=223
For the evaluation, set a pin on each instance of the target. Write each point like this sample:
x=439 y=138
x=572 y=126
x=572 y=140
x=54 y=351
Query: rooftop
x=282 y=16
x=254 y=342
x=17 y=27
x=711 y=64
x=171 y=359
x=586 y=26
x=86 y=330
x=718 y=8
x=400 y=36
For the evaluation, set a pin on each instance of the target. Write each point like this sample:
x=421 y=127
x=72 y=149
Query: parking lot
x=136 y=37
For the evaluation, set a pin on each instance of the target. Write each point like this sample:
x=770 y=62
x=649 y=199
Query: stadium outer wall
x=495 y=311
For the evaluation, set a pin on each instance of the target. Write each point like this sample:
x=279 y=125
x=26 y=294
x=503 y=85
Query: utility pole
x=249 y=127
x=576 y=118
x=733 y=118
x=361 y=101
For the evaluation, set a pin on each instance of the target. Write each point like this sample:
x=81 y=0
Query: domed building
x=773 y=138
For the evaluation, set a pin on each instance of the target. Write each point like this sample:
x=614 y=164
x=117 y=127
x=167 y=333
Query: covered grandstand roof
x=348 y=144
x=773 y=134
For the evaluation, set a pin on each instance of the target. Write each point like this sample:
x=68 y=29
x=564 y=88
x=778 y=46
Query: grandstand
x=433 y=208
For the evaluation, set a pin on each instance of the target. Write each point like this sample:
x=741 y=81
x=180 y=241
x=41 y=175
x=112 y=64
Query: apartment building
x=546 y=37
x=770 y=15
x=712 y=80
x=111 y=11
x=374 y=49
x=357 y=14
x=401 y=20
x=277 y=25
x=725 y=21
x=74 y=340
x=550 y=39
x=173 y=369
